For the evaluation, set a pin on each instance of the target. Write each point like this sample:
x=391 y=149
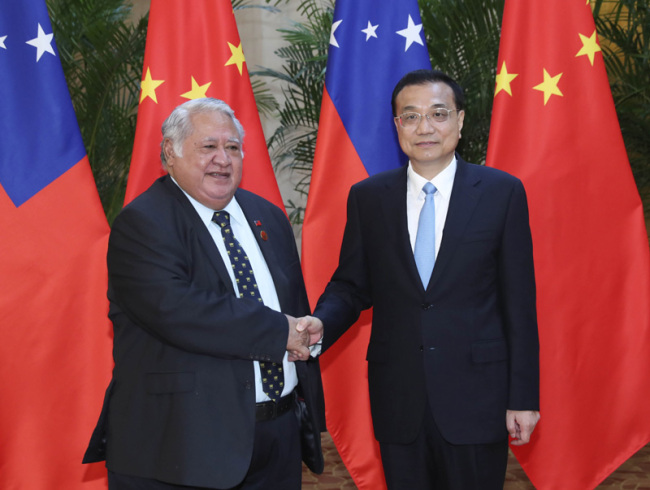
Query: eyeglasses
x=412 y=119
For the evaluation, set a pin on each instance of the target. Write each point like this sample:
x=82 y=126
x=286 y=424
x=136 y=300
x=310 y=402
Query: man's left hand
x=520 y=424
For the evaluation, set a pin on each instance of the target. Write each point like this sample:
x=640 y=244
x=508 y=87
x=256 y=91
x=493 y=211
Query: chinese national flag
x=193 y=50
x=372 y=45
x=555 y=127
x=55 y=337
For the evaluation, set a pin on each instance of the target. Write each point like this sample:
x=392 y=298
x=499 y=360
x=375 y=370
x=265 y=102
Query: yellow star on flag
x=149 y=86
x=589 y=47
x=549 y=86
x=237 y=57
x=198 y=91
x=503 y=80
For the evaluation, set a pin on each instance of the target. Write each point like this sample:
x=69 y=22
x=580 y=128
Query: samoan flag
x=55 y=340
x=372 y=45
x=31 y=88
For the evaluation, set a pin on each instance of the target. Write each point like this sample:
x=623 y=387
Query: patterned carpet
x=634 y=474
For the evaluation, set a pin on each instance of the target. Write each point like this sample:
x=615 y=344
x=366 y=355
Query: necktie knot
x=222 y=218
x=429 y=189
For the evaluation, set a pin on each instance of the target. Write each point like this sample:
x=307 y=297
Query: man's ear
x=168 y=150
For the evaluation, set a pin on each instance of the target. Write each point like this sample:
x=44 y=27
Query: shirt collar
x=443 y=182
x=205 y=213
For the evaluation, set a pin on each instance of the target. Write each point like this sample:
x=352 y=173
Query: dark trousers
x=430 y=462
x=275 y=464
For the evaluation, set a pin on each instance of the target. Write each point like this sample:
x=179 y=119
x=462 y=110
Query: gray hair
x=178 y=126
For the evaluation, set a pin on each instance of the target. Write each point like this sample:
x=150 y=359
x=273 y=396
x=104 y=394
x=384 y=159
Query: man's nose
x=221 y=156
x=425 y=125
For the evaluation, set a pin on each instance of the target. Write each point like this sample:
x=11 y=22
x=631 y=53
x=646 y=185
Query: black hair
x=422 y=77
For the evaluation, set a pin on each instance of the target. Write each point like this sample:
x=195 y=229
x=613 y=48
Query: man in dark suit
x=453 y=352
x=191 y=403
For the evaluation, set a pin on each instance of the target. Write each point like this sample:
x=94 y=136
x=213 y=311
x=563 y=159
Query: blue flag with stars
x=55 y=341
x=39 y=135
x=372 y=45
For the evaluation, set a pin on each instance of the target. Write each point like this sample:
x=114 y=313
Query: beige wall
x=260 y=40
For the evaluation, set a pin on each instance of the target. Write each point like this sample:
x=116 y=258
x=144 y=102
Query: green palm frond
x=102 y=54
x=302 y=76
x=624 y=31
x=463 y=41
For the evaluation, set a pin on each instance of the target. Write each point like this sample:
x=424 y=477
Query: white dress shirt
x=443 y=182
x=244 y=235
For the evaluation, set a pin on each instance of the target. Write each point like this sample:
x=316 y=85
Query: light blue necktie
x=425 y=240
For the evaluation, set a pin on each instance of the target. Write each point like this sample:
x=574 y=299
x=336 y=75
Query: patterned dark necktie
x=272 y=375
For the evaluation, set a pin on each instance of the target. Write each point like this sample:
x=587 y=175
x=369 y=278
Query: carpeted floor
x=634 y=474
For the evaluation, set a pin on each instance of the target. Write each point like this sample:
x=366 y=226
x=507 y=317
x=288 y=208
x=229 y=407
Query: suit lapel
x=464 y=198
x=204 y=237
x=394 y=211
x=256 y=217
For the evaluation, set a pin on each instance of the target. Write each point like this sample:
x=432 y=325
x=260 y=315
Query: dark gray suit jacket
x=181 y=404
x=469 y=342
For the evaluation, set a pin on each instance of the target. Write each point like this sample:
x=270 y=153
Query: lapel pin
x=264 y=236
x=258 y=222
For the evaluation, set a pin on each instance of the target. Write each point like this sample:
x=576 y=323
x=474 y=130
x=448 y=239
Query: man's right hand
x=312 y=325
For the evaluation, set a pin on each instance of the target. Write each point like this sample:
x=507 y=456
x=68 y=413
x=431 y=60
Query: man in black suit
x=453 y=353
x=203 y=393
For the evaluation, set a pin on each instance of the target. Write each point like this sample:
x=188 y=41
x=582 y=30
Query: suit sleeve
x=160 y=278
x=347 y=293
x=518 y=299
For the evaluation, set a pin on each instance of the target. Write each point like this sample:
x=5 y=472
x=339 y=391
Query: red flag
x=193 y=50
x=555 y=127
x=372 y=45
x=55 y=342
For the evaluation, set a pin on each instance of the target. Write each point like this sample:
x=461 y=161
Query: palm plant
x=463 y=41
x=624 y=28
x=293 y=143
x=102 y=53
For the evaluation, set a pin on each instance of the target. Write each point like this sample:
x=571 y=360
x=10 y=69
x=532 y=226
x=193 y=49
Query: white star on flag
x=42 y=43
x=412 y=34
x=370 y=31
x=2 y=42
x=335 y=26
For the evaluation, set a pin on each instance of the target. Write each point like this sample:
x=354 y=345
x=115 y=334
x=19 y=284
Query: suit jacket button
x=427 y=306
x=421 y=348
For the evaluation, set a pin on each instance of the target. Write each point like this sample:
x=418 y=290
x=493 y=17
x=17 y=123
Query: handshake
x=303 y=333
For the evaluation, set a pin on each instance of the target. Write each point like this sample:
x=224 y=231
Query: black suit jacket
x=469 y=342
x=181 y=405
